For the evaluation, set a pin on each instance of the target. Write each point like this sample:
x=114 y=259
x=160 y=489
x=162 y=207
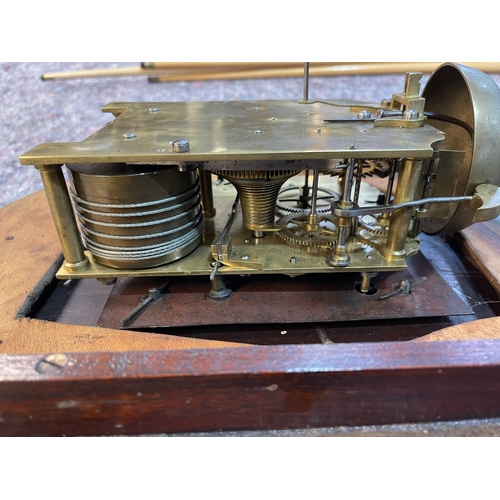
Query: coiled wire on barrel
x=143 y=234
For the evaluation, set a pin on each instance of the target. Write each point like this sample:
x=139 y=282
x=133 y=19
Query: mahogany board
x=132 y=382
x=281 y=300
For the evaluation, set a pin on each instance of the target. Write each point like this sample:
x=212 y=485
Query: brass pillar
x=409 y=178
x=339 y=256
x=207 y=197
x=64 y=220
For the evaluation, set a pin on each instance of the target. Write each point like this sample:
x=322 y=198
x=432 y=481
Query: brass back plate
x=240 y=130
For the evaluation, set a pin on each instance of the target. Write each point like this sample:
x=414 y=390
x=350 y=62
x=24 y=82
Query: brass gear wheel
x=380 y=168
x=287 y=194
x=296 y=229
x=376 y=226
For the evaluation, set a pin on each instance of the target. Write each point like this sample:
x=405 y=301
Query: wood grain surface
x=28 y=248
x=481 y=243
x=103 y=381
x=277 y=387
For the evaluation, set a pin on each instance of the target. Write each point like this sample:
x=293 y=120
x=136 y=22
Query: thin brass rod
x=172 y=72
x=327 y=70
x=364 y=286
x=114 y=72
x=222 y=65
x=314 y=197
x=168 y=69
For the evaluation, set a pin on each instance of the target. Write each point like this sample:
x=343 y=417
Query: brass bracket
x=410 y=97
x=407 y=100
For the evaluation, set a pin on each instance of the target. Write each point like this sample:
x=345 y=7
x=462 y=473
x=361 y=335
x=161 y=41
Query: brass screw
x=52 y=363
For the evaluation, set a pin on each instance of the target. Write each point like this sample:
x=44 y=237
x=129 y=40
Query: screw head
x=180 y=146
x=257 y=132
x=404 y=284
x=364 y=115
x=129 y=136
x=57 y=359
x=245 y=256
x=153 y=110
x=52 y=363
x=411 y=114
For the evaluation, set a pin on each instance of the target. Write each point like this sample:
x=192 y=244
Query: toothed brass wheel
x=374 y=225
x=290 y=200
x=301 y=230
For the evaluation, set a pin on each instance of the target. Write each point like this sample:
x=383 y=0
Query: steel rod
x=306 y=82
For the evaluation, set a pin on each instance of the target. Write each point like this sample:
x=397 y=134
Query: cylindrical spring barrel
x=137 y=216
